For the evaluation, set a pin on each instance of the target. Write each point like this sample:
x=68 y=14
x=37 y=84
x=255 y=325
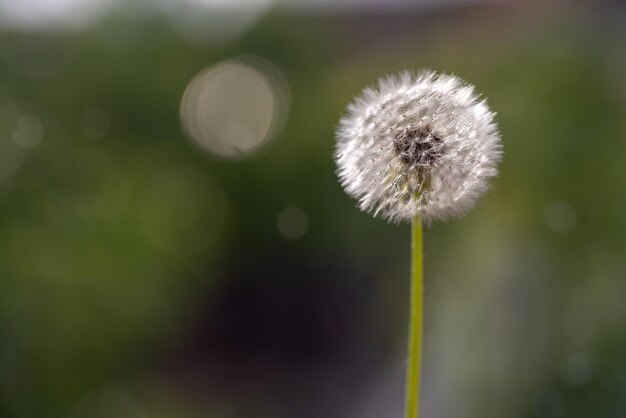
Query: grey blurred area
x=175 y=241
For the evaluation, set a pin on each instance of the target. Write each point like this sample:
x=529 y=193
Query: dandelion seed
x=417 y=145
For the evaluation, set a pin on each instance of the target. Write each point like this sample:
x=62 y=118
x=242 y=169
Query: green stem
x=414 y=356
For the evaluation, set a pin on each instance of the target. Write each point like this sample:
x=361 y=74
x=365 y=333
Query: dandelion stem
x=414 y=356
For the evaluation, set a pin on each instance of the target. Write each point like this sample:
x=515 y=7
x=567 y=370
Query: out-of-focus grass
x=115 y=249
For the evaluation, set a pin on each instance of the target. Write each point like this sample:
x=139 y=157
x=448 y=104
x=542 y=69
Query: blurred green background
x=153 y=266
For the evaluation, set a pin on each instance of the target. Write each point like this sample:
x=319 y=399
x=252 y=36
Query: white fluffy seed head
x=420 y=144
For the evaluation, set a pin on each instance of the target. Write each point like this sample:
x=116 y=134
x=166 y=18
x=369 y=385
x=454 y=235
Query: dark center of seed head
x=418 y=147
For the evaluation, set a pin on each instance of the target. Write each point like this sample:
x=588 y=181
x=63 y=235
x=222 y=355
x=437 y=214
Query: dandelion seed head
x=422 y=144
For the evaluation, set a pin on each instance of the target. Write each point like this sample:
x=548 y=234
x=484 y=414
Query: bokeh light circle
x=292 y=223
x=233 y=108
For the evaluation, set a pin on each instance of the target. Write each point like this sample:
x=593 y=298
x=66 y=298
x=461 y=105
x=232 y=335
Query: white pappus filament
x=414 y=145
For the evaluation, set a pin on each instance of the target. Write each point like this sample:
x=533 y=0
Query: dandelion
x=422 y=145
x=417 y=148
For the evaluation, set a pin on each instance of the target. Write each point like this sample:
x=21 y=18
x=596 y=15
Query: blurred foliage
x=141 y=278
